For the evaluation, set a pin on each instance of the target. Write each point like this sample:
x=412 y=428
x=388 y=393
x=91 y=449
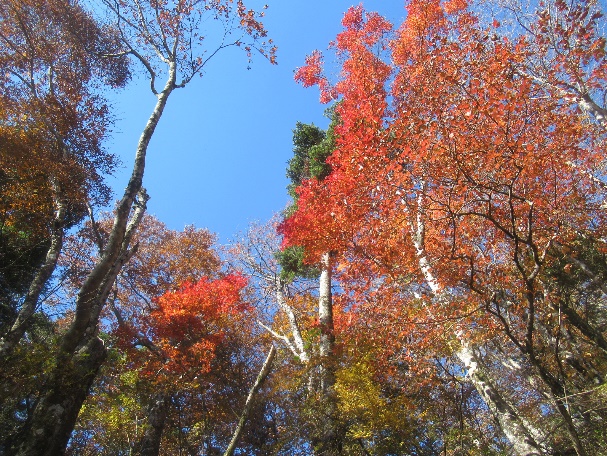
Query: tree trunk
x=22 y=323
x=49 y=430
x=511 y=423
x=298 y=348
x=263 y=373
x=329 y=436
x=325 y=320
x=149 y=445
x=81 y=352
x=585 y=328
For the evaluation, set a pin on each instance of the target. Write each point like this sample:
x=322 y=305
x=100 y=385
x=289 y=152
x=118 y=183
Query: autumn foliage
x=448 y=152
x=465 y=161
x=58 y=61
x=441 y=284
x=52 y=54
x=184 y=327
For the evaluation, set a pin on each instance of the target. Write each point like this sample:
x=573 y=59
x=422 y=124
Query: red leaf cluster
x=186 y=325
x=457 y=166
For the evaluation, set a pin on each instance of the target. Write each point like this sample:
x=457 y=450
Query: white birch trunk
x=522 y=436
x=325 y=319
x=510 y=421
x=299 y=347
x=584 y=100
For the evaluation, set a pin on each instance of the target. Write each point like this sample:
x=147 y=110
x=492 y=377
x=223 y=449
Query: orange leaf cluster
x=185 y=326
x=452 y=166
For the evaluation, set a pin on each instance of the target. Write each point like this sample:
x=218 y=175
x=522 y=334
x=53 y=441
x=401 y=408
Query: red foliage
x=185 y=326
x=454 y=168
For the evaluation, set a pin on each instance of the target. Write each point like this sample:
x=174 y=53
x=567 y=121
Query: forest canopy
x=435 y=287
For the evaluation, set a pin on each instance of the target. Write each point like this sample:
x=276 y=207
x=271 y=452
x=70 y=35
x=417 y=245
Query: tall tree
x=166 y=39
x=288 y=299
x=312 y=147
x=165 y=260
x=456 y=172
x=53 y=122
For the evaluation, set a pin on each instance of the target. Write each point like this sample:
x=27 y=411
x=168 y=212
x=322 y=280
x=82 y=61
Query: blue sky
x=218 y=157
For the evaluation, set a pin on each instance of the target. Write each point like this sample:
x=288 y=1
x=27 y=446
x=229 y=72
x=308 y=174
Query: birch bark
x=511 y=423
x=325 y=320
x=297 y=347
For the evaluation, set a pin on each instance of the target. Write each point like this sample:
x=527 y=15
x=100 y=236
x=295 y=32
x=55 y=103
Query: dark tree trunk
x=54 y=418
x=149 y=445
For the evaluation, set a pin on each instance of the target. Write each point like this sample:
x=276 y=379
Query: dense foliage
x=437 y=286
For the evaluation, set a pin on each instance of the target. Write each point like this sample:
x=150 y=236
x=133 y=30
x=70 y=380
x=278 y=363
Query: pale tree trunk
x=522 y=436
x=325 y=320
x=263 y=373
x=23 y=321
x=81 y=352
x=329 y=437
x=257 y=257
x=583 y=99
x=297 y=347
x=590 y=106
x=510 y=421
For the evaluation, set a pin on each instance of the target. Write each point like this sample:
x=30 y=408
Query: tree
x=444 y=180
x=288 y=304
x=53 y=125
x=284 y=283
x=53 y=120
x=312 y=147
x=166 y=39
x=566 y=53
x=256 y=255
x=180 y=333
x=175 y=374
x=386 y=394
x=160 y=393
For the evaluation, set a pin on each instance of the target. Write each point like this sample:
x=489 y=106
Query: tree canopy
x=435 y=287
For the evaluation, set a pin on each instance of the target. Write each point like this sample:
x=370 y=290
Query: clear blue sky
x=218 y=157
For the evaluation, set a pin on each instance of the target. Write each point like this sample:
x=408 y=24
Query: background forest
x=437 y=285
